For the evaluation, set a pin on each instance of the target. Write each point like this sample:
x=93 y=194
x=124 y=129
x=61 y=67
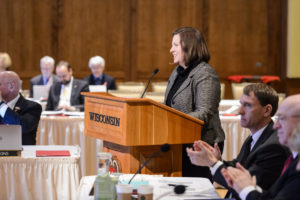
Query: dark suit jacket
x=27 y=114
x=110 y=81
x=38 y=80
x=287 y=187
x=265 y=160
x=76 y=98
x=199 y=96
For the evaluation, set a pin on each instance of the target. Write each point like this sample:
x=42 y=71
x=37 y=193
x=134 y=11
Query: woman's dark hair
x=193 y=45
x=265 y=95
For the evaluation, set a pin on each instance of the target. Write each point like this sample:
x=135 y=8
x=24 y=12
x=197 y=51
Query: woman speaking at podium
x=194 y=88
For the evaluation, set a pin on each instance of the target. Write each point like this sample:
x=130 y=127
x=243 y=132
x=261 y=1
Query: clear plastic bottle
x=104 y=187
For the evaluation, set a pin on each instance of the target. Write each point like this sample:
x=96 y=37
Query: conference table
x=196 y=188
x=69 y=130
x=32 y=177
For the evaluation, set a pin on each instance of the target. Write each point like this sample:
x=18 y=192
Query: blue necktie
x=45 y=81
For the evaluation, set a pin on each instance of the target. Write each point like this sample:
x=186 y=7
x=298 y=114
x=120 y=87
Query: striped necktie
x=287 y=163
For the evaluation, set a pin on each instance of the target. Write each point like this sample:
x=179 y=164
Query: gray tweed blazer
x=199 y=96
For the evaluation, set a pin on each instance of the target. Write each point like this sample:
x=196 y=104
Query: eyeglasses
x=282 y=118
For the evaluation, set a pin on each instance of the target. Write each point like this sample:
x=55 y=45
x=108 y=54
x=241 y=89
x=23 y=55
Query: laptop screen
x=40 y=92
x=10 y=137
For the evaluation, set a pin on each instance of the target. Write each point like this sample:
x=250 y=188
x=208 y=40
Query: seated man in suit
x=287 y=185
x=261 y=153
x=16 y=110
x=66 y=93
x=294 y=143
x=47 y=77
x=97 y=66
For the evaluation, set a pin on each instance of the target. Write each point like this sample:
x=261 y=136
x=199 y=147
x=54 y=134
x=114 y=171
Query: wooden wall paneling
x=237 y=36
x=27 y=34
x=156 y=20
x=4 y=22
x=132 y=48
x=275 y=35
x=244 y=38
x=154 y=27
x=92 y=27
x=134 y=36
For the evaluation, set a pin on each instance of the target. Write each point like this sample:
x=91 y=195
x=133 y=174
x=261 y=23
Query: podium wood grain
x=132 y=129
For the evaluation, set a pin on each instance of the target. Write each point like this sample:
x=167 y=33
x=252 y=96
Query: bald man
x=16 y=110
x=287 y=185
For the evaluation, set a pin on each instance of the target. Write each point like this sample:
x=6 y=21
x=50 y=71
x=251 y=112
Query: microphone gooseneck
x=163 y=148
x=154 y=72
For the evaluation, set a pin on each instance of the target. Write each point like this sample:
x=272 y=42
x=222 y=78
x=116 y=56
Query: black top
x=182 y=76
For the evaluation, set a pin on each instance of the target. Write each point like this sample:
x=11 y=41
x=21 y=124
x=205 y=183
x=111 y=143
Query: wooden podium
x=133 y=129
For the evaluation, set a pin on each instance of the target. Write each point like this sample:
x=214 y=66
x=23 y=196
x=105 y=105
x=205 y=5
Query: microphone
x=154 y=72
x=163 y=148
x=178 y=189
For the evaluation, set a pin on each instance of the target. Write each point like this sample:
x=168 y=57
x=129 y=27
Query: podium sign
x=133 y=128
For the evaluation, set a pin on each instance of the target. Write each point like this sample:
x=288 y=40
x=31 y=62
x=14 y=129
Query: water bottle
x=104 y=187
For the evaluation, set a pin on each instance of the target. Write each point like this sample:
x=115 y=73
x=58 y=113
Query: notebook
x=10 y=137
x=47 y=153
x=40 y=92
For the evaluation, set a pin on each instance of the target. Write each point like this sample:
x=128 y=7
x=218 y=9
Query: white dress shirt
x=10 y=104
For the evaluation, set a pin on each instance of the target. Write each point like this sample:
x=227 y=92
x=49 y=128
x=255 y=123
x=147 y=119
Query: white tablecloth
x=60 y=130
x=235 y=136
x=70 y=131
x=228 y=103
x=197 y=188
x=30 y=177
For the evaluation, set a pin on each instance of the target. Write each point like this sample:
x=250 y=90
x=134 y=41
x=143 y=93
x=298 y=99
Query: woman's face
x=177 y=51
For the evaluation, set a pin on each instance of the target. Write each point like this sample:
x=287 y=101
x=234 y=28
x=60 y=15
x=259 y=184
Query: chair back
x=159 y=86
x=131 y=86
x=126 y=94
x=237 y=89
x=156 y=96
x=222 y=90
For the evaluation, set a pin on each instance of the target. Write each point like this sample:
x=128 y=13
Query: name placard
x=4 y=153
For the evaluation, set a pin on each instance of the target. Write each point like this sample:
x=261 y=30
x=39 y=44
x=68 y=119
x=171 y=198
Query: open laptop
x=40 y=91
x=97 y=88
x=10 y=137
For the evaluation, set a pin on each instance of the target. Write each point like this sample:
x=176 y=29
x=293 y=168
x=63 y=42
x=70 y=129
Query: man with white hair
x=47 y=77
x=97 y=66
x=16 y=110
